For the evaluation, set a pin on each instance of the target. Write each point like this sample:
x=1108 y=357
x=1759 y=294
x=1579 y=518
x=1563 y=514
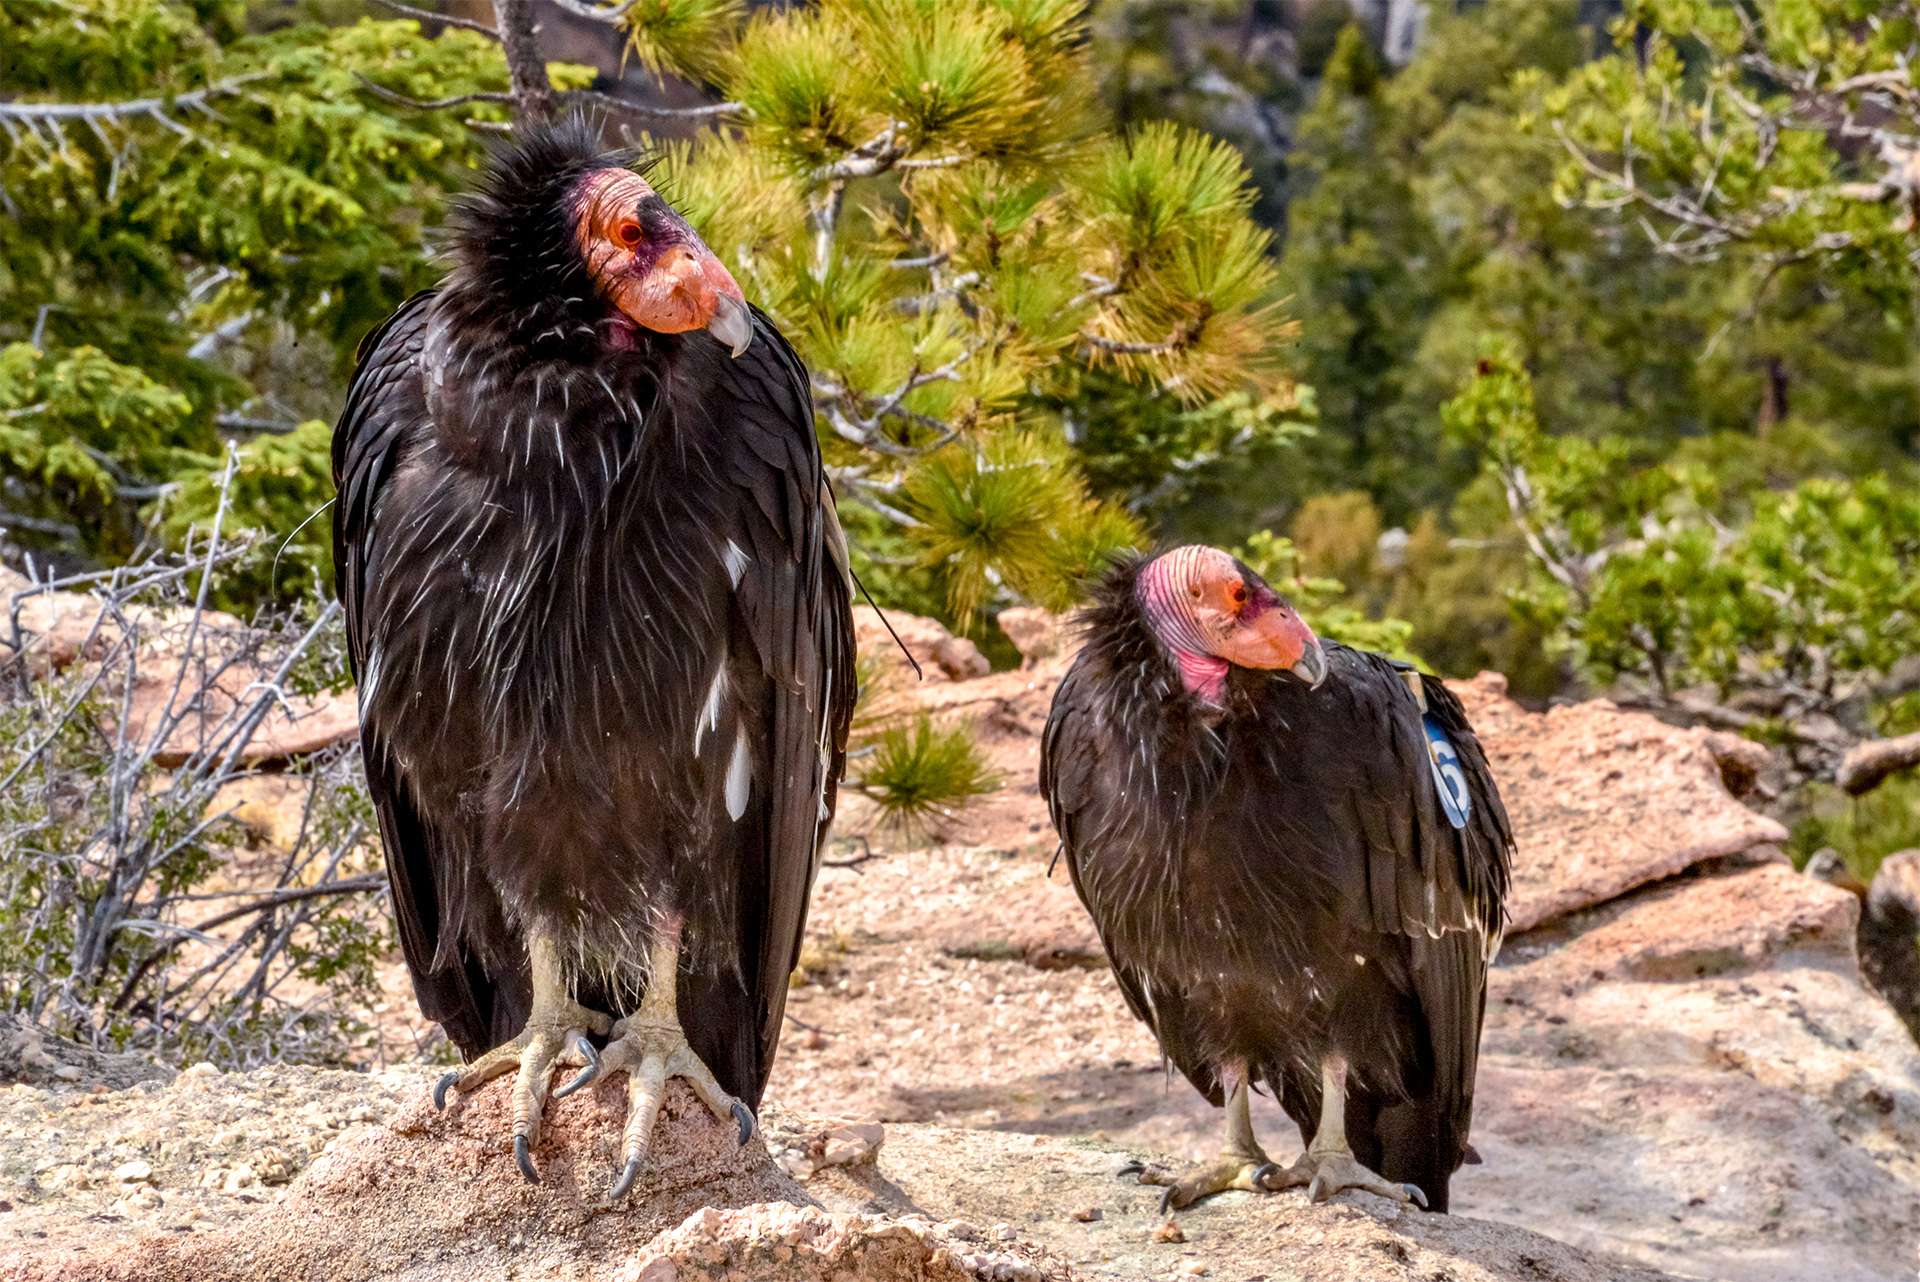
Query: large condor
x=1296 y=858
x=598 y=605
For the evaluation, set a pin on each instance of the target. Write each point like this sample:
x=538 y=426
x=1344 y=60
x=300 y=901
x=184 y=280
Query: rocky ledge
x=1683 y=1075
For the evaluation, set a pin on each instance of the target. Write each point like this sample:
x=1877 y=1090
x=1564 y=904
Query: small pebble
x=1088 y=1214
x=138 y=1171
x=1169 y=1232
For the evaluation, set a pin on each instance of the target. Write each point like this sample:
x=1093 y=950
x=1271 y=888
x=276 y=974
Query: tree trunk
x=532 y=91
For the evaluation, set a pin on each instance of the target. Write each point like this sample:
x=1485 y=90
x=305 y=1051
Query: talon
x=589 y=1074
x=1320 y=1190
x=1413 y=1192
x=1264 y=1172
x=1166 y=1201
x=628 y=1174
x=1135 y=1167
x=523 y=1157
x=744 y=1116
x=440 y=1089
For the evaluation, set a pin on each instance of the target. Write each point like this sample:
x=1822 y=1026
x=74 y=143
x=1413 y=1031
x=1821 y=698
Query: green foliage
x=998 y=510
x=1663 y=575
x=921 y=774
x=1181 y=468
x=280 y=488
x=1863 y=830
x=232 y=192
x=1720 y=121
x=72 y=424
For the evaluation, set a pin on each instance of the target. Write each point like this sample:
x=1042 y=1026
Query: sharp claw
x=1261 y=1173
x=589 y=1074
x=1135 y=1167
x=1413 y=1192
x=523 y=1157
x=1166 y=1200
x=628 y=1174
x=1320 y=1190
x=744 y=1116
x=440 y=1089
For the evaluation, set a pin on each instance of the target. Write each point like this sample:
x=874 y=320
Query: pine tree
x=187 y=199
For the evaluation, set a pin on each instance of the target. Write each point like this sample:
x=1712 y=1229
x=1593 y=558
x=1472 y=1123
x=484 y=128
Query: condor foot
x=1333 y=1172
x=650 y=1051
x=554 y=1035
x=1253 y=1174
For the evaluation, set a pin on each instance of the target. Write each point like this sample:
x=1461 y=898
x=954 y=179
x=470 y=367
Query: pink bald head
x=1212 y=613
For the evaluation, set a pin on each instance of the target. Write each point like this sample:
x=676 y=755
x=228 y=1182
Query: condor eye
x=629 y=234
x=1239 y=594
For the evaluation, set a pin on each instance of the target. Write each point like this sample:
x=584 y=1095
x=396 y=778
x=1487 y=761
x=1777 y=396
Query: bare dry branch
x=1868 y=765
x=444 y=19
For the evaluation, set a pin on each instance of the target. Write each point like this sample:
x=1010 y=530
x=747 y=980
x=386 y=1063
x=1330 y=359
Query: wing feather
x=385 y=412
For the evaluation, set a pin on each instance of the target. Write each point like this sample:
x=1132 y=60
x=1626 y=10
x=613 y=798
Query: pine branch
x=597 y=13
x=526 y=69
x=432 y=104
x=1121 y=348
x=52 y=115
x=613 y=102
x=444 y=19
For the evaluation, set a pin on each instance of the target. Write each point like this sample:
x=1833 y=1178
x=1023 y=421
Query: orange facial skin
x=1265 y=632
x=651 y=265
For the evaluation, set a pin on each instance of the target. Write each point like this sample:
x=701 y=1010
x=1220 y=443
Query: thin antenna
x=911 y=661
x=273 y=575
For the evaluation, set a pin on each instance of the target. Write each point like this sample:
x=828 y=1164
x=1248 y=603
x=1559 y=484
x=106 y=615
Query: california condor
x=1296 y=858
x=598 y=605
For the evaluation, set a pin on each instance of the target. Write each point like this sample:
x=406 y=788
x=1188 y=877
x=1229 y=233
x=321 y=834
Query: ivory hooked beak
x=1312 y=666
x=731 y=323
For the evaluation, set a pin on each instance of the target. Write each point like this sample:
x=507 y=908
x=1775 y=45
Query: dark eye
x=629 y=234
x=1239 y=594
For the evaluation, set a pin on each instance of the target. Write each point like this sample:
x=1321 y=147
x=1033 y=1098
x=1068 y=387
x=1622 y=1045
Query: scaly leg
x=1243 y=1164
x=652 y=1047
x=1328 y=1159
x=555 y=1022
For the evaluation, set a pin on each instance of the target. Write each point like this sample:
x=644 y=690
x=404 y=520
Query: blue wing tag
x=1448 y=778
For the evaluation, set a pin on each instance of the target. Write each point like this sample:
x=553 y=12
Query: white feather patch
x=736 y=561
x=710 y=712
x=739 y=777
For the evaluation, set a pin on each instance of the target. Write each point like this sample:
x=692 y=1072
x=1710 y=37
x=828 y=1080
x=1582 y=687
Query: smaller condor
x=1297 y=860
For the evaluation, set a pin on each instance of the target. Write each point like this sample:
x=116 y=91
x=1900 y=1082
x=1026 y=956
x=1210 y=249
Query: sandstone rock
x=781 y=1242
x=31 y=1057
x=1741 y=760
x=185 y=671
x=1691 y=1075
x=942 y=656
x=1602 y=800
x=852 y=1144
x=1037 y=634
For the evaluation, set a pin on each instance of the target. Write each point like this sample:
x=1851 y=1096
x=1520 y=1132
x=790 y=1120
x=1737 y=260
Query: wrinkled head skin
x=1212 y=613
x=650 y=265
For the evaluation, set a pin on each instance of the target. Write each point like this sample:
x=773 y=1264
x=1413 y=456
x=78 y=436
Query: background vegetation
x=1575 y=340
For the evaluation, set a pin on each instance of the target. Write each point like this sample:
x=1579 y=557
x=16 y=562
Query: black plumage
x=598 y=605
x=1276 y=879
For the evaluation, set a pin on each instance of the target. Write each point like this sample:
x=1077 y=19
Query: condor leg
x=650 y=1046
x=1242 y=1164
x=555 y=1025
x=1329 y=1161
